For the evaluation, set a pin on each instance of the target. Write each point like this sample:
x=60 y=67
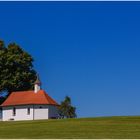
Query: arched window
x=28 y=111
x=14 y=111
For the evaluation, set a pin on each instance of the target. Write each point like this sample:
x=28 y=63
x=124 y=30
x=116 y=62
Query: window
x=28 y=111
x=14 y=111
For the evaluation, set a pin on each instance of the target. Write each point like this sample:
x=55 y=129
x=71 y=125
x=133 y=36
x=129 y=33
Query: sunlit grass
x=102 y=127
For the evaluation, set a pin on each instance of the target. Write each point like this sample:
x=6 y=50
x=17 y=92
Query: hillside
x=102 y=127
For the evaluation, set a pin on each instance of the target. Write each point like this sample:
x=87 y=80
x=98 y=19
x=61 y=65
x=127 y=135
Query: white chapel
x=29 y=105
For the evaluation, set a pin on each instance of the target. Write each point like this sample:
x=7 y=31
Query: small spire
x=37 y=84
x=37 y=80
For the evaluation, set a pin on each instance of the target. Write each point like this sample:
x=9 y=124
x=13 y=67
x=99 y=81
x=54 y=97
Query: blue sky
x=89 y=51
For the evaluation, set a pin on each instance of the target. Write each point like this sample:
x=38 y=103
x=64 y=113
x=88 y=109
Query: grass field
x=102 y=127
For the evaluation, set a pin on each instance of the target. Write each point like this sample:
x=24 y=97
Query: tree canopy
x=66 y=110
x=16 y=68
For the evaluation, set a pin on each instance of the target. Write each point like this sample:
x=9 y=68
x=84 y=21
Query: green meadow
x=101 y=127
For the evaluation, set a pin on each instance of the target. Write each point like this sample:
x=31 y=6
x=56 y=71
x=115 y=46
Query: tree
x=2 y=99
x=16 y=69
x=66 y=110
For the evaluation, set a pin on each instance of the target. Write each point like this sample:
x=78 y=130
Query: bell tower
x=37 y=84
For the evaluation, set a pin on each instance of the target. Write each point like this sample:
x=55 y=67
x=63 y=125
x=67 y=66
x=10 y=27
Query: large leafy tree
x=66 y=110
x=16 y=69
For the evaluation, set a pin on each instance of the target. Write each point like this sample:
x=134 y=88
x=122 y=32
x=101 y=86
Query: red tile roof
x=28 y=97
